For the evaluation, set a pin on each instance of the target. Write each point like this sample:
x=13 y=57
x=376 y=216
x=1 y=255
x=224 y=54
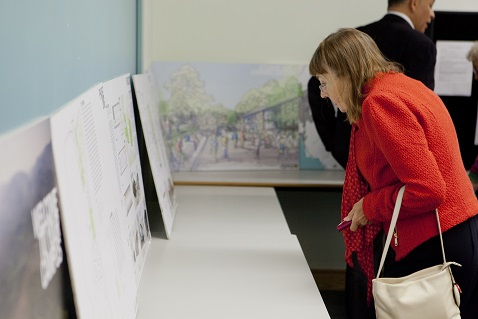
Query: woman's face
x=333 y=88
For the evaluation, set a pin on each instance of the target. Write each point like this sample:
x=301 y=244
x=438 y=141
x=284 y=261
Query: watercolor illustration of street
x=222 y=117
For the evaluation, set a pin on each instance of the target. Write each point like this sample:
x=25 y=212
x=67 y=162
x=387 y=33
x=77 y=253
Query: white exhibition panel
x=228 y=210
x=99 y=257
x=118 y=105
x=103 y=207
x=33 y=270
x=148 y=108
x=211 y=276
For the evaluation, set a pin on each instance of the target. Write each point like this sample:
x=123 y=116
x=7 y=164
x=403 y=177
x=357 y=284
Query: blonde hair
x=473 y=53
x=353 y=56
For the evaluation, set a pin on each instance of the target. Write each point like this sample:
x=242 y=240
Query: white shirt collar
x=403 y=16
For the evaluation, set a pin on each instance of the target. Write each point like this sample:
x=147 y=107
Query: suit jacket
x=333 y=129
x=399 y=42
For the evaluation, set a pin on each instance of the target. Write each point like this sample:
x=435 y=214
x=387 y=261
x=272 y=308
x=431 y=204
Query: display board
x=34 y=280
x=102 y=200
x=153 y=131
x=230 y=116
x=118 y=105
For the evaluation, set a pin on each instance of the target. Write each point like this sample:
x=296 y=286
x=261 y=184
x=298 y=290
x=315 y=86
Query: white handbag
x=428 y=293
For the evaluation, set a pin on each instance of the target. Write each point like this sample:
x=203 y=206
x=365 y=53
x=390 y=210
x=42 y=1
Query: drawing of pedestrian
x=225 y=142
x=241 y=139
x=234 y=138
x=214 y=146
x=257 y=144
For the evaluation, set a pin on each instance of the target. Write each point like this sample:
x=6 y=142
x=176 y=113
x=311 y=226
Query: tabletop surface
x=228 y=276
x=230 y=255
x=219 y=210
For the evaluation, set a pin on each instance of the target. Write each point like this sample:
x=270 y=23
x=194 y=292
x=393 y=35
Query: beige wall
x=253 y=31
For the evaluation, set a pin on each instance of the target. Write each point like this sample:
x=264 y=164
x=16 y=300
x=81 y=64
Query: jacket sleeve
x=421 y=64
x=400 y=137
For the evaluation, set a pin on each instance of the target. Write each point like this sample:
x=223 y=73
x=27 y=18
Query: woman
x=402 y=134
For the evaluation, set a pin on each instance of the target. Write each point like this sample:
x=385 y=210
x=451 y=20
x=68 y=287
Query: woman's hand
x=357 y=216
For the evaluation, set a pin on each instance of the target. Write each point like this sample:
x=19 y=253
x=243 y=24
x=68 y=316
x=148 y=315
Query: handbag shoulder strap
x=393 y=222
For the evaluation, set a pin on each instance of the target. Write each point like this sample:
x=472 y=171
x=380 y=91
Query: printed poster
x=34 y=281
x=93 y=215
x=223 y=117
x=153 y=130
x=118 y=105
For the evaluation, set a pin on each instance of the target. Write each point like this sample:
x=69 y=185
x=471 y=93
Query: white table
x=229 y=210
x=230 y=255
x=229 y=277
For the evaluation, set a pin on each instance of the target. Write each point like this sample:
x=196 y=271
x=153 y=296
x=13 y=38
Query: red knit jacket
x=406 y=136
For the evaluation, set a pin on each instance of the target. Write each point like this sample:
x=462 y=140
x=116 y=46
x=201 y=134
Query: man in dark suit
x=400 y=36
